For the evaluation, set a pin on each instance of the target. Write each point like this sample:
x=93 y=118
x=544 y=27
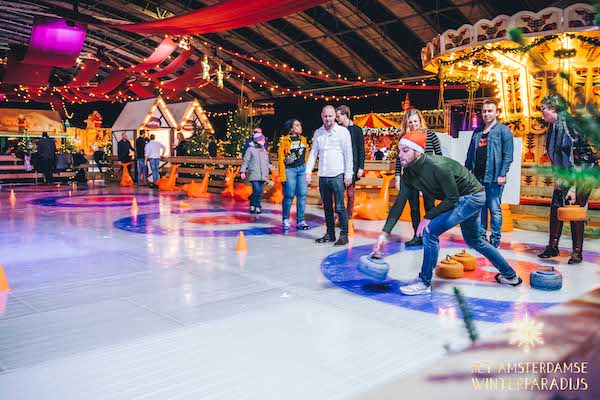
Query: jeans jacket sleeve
x=508 y=146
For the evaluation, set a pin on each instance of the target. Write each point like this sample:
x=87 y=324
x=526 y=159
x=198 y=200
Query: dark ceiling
x=373 y=39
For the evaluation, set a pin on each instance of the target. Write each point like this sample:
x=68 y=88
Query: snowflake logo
x=526 y=333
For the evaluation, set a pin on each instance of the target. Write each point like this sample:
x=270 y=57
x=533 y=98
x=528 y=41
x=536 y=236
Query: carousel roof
x=368 y=40
x=375 y=121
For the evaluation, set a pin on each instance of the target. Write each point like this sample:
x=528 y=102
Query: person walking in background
x=414 y=121
x=292 y=156
x=333 y=147
x=142 y=168
x=47 y=153
x=488 y=158
x=256 y=163
x=343 y=117
x=153 y=151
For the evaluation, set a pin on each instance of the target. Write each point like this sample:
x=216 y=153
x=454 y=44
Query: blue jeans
x=142 y=170
x=333 y=188
x=466 y=213
x=154 y=163
x=295 y=185
x=257 y=192
x=493 y=193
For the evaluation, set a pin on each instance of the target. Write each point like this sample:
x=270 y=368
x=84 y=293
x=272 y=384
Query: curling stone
x=375 y=268
x=468 y=261
x=544 y=279
x=571 y=213
x=449 y=269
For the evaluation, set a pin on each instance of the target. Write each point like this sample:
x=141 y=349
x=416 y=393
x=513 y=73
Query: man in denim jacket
x=489 y=157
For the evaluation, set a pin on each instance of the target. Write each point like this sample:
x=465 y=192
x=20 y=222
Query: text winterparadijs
x=576 y=383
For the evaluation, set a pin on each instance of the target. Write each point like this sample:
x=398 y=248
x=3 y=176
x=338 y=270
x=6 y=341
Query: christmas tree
x=198 y=143
x=239 y=128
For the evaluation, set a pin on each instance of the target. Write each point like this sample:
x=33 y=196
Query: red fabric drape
x=109 y=83
x=141 y=91
x=18 y=73
x=224 y=16
x=174 y=66
x=186 y=79
x=164 y=50
x=88 y=71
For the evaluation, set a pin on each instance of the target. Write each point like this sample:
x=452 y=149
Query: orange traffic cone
x=3 y=282
x=12 y=195
x=134 y=205
x=241 y=244
x=350 y=228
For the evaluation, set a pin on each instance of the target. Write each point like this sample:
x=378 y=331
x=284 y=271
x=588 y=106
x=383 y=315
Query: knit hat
x=258 y=137
x=415 y=140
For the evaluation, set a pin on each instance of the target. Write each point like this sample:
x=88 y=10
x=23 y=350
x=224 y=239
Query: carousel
x=554 y=42
x=379 y=132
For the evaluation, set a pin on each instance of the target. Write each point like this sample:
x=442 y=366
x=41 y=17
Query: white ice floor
x=104 y=306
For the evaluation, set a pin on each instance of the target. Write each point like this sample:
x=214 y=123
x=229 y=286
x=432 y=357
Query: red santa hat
x=415 y=140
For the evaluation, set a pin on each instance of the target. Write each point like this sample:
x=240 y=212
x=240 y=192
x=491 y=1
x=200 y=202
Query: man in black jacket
x=358 y=152
x=46 y=151
x=124 y=148
x=142 y=169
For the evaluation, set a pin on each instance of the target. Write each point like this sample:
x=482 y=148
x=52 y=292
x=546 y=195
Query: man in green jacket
x=462 y=199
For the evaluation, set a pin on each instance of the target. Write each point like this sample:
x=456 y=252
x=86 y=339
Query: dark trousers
x=577 y=227
x=257 y=192
x=47 y=167
x=351 y=192
x=332 y=189
x=415 y=209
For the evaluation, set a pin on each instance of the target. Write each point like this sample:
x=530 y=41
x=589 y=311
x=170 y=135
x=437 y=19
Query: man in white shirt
x=153 y=151
x=333 y=146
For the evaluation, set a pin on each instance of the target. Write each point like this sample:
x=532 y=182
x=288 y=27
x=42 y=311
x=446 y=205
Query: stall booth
x=152 y=116
x=190 y=115
x=18 y=123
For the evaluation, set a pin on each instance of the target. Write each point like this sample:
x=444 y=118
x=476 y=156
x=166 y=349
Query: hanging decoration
x=220 y=77
x=205 y=68
x=223 y=16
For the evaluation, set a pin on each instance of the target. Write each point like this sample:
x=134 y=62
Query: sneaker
x=286 y=224
x=415 y=289
x=342 y=241
x=303 y=226
x=252 y=209
x=516 y=281
x=326 y=238
x=415 y=241
x=257 y=210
